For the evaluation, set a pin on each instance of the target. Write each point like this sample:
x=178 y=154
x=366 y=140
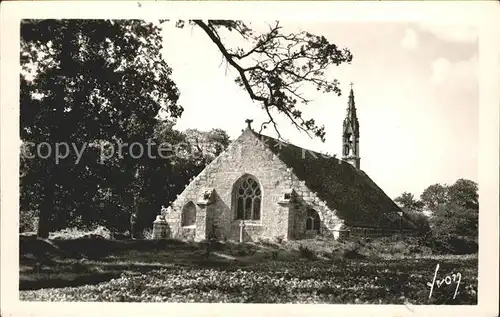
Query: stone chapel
x=261 y=187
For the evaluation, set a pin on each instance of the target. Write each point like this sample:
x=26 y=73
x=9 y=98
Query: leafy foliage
x=454 y=220
x=350 y=282
x=84 y=82
x=99 y=232
x=420 y=220
x=88 y=83
x=176 y=271
x=453 y=225
x=307 y=253
x=455 y=229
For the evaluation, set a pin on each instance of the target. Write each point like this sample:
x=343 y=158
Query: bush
x=307 y=253
x=349 y=250
x=266 y=242
x=454 y=230
x=393 y=246
x=76 y=233
x=400 y=247
x=420 y=220
x=279 y=239
x=147 y=234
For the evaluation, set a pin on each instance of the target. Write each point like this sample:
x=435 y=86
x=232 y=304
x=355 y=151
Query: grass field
x=174 y=271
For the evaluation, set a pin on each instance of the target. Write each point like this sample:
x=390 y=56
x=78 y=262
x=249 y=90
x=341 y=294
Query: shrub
x=272 y=255
x=103 y=232
x=454 y=230
x=307 y=253
x=400 y=247
x=244 y=249
x=121 y=235
x=147 y=233
x=28 y=221
x=420 y=220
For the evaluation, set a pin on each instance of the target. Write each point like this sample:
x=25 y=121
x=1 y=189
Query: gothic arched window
x=248 y=198
x=188 y=214
x=312 y=220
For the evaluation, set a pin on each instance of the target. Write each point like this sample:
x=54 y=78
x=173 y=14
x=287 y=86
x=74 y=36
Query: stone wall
x=279 y=218
x=187 y=233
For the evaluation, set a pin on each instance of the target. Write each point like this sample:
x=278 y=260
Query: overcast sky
x=415 y=89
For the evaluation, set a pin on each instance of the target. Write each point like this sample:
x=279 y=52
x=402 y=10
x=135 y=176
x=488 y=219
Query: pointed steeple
x=350 y=133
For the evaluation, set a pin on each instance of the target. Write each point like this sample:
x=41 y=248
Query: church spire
x=350 y=133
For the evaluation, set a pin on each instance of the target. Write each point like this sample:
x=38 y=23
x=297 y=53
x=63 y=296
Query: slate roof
x=357 y=199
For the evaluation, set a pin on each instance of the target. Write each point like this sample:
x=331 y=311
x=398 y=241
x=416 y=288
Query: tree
x=434 y=196
x=192 y=151
x=464 y=193
x=88 y=82
x=420 y=220
x=277 y=65
x=407 y=201
x=204 y=147
x=455 y=228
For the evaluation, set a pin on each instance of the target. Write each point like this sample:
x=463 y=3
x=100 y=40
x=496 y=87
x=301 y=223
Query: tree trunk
x=43 y=224
x=46 y=208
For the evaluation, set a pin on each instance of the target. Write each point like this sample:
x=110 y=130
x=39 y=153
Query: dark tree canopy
x=204 y=147
x=434 y=196
x=94 y=80
x=455 y=215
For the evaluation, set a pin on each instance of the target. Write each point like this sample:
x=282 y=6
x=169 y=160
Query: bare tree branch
x=280 y=65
